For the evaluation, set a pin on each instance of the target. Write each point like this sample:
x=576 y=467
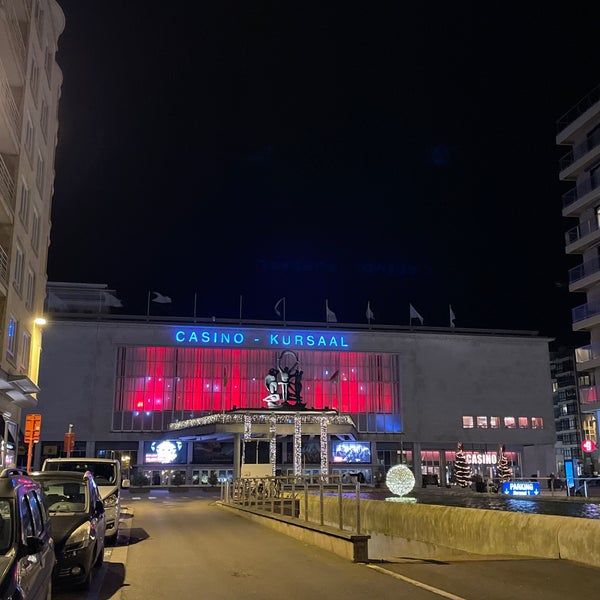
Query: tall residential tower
x=30 y=83
x=579 y=129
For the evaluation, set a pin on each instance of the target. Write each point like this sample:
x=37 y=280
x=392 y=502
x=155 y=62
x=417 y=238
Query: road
x=180 y=545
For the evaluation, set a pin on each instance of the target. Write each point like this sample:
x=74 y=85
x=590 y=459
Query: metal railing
x=579 y=231
x=284 y=495
x=576 y=111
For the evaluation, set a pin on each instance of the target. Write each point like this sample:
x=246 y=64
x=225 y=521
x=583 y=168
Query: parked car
x=26 y=546
x=78 y=524
x=107 y=475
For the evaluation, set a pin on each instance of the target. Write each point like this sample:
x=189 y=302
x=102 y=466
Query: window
x=39 y=173
x=18 y=273
x=44 y=118
x=510 y=423
x=35 y=230
x=11 y=343
x=482 y=422
x=24 y=204
x=29 y=138
x=30 y=292
x=467 y=422
x=495 y=422
x=25 y=352
x=523 y=423
x=34 y=79
x=537 y=423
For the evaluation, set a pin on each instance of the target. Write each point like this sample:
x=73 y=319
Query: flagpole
x=148 y=305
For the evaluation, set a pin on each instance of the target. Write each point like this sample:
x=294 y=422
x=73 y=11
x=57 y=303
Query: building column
x=416 y=455
x=237 y=455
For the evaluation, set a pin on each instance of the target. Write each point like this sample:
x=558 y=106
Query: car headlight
x=111 y=500
x=80 y=538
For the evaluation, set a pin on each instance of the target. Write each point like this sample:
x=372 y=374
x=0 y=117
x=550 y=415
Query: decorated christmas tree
x=503 y=469
x=461 y=473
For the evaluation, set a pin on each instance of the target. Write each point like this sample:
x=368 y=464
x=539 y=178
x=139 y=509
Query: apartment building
x=30 y=83
x=579 y=129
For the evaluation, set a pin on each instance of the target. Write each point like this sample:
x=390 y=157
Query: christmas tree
x=461 y=473
x=502 y=468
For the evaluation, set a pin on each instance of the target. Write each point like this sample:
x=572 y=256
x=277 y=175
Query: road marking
x=417 y=583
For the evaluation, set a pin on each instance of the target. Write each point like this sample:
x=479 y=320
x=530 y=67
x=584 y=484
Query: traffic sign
x=588 y=445
x=33 y=425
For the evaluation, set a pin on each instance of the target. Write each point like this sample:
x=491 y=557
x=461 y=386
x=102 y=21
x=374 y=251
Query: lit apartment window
x=35 y=230
x=44 y=118
x=523 y=422
x=25 y=351
x=30 y=292
x=29 y=138
x=24 y=204
x=510 y=423
x=11 y=342
x=18 y=273
x=467 y=422
x=494 y=422
x=39 y=173
x=482 y=422
x=537 y=423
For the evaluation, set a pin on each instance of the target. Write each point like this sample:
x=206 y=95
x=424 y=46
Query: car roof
x=11 y=479
x=62 y=475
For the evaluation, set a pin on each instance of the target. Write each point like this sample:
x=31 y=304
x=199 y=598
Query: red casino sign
x=588 y=445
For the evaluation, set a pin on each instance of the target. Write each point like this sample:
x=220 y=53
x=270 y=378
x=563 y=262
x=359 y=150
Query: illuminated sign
x=263 y=339
x=165 y=452
x=521 y=488
x=588 y=445
x=481 y=458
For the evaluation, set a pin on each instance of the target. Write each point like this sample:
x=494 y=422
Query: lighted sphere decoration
x=400 y=481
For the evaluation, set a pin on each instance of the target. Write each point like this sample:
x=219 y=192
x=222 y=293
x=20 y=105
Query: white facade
x=30 y=83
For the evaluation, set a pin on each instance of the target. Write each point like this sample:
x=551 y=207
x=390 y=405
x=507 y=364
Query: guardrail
x=283 y=495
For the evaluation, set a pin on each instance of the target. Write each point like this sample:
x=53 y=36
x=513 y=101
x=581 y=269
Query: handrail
x=273 y=494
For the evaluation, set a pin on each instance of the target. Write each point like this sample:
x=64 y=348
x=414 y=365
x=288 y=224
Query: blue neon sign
x=521 y=488
x=193 y=336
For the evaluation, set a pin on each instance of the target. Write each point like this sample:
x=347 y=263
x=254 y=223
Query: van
x=107 y=475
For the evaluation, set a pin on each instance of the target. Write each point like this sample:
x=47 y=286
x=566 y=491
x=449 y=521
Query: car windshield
x=65 y=496
x=104 y=473
x=5 y=526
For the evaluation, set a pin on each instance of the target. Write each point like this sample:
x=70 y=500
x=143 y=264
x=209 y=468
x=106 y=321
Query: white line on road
x=417 y=583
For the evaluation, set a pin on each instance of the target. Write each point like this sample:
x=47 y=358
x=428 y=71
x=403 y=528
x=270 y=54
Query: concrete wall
x=441 y=532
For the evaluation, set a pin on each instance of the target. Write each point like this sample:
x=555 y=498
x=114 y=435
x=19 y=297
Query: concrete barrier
x=433 y=531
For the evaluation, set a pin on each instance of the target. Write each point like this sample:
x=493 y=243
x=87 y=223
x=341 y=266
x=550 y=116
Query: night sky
x=348 y=151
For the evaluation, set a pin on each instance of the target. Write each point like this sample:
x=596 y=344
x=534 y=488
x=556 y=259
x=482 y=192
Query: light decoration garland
x=324 y=447
x=263 y=418
x=273 y=446
x=297 y=445
x=400 y=481
x=247 y=428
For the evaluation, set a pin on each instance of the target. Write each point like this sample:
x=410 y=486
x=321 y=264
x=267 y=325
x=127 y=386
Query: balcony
x=9 y=116
x=588 y=357
x=583 y=236
x=584 y=276
x=589 y=398
x=568 y=125
x=581 y=196
x=580 y=157
x=3 y=272
x=12 y=46
x=586 y=316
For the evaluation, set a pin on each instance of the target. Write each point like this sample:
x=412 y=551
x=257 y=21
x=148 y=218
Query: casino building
x=197 y=398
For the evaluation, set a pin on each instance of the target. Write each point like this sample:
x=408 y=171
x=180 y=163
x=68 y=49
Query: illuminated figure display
x=288 y=378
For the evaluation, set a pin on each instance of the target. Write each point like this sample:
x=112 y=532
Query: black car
x=78 y=524
x=26 y=546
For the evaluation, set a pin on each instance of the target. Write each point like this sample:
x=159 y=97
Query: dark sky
x=392 y=152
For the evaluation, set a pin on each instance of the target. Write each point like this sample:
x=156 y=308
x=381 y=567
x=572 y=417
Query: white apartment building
x=30 y=83
x=579 y=129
